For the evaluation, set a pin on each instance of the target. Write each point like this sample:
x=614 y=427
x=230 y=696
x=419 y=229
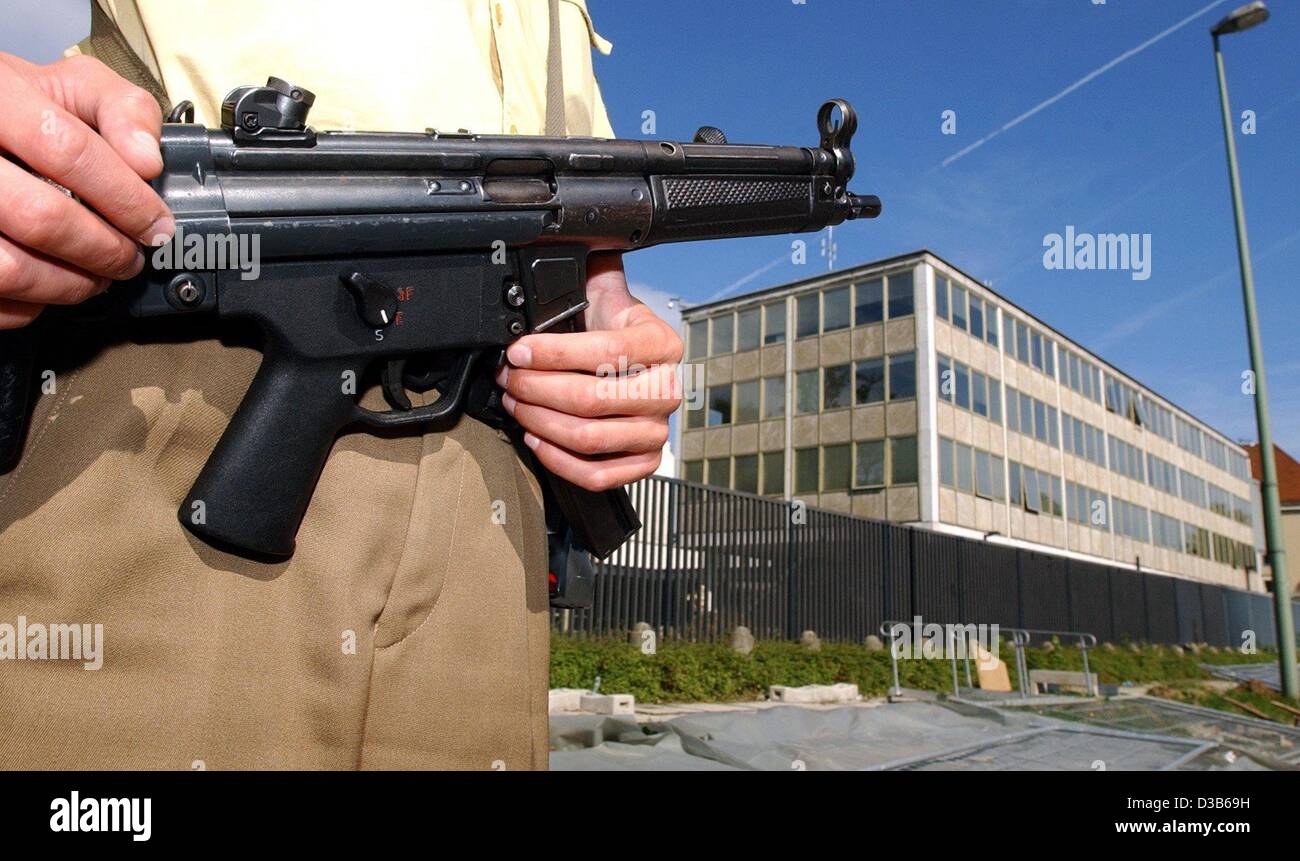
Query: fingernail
x=138 y=264
x=147 y=145
x=508 y=401
x=160 y=232
x=520 y=355
x=503 y=375
x=531 y=441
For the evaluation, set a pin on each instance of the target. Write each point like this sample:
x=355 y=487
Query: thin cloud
x=1136 y=323
x=741 y=282
x=1100 y=70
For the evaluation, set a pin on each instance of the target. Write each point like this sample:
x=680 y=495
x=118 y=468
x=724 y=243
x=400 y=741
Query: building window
x=694 y=471
x=902 y=376
x=695 y=415
x=806 y=393
x=837 y=387
x=724 y=335
x=773 y=397
x=871 y=464
x=991 y=324
x=747 y=401
x=719 y=405
x=901 y=295
x=698 y=336
x=976 y=318
x=962 y=379
x=774 y=473
x=806 y=470
x=746 y=473
x=747 y=329
x=995 y=400
x=958 y=307
x=947 y=476
x=941 y=297
x=902 y=460
x=1022 y=342
x=965 y=468
x=719 y=471
x=870 y=383
x=870 y=304
x=979 y=393
x=837 y=467
x=944 y=366
x=835 y=309
x=983 y=475
x=774 y=323
x=1032 y=500
x=807 y=314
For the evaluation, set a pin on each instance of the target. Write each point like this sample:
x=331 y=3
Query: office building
x=906 y=390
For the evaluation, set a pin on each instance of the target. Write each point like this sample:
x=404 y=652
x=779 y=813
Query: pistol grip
x=255 y=488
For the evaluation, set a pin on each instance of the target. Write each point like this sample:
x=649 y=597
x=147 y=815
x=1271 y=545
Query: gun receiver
x=425 y=255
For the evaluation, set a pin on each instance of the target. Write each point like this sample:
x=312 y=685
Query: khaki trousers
x=409 y=630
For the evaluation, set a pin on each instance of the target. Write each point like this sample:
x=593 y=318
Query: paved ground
x=923 y=733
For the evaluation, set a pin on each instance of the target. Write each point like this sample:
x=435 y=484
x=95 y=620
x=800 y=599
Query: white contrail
x=736 y=285
x=1079 y=83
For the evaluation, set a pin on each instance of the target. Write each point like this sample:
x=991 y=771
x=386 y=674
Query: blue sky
x=1136 y=149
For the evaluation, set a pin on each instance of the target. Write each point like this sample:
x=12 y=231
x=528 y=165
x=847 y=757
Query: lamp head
x=1241 y=18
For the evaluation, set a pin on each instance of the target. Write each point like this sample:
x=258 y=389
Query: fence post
x=913 y=576
x=1069 y=595
x=1110 y=603
x=791 y=588
x=887 y=572
x=963 y=615
x=1020 y=589
x=1178 y=616
x=1146 y=606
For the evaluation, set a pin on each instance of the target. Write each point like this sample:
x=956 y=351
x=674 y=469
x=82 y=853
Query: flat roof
x=921 y=253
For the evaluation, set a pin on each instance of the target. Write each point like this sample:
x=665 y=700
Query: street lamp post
x=1243 y=19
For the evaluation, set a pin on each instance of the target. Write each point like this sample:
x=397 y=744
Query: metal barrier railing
x=892 y=631
x=1022 y=637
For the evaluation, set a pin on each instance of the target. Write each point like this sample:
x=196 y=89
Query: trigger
x=394 y=390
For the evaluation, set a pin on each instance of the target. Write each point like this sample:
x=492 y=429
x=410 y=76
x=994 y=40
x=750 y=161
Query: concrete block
x=566 y=700
x=609 y=704
x=1086 y=682
x=814 y=694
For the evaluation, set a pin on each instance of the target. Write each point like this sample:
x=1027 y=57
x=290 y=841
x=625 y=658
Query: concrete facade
x=906 y=390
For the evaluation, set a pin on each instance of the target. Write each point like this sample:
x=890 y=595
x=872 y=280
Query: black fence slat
x=708 y=560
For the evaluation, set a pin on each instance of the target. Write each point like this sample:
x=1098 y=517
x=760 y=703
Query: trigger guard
x=448 y=403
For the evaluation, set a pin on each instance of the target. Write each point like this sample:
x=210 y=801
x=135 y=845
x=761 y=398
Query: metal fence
x=707 y=560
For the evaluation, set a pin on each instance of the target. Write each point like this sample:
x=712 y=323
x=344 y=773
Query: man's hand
x=84 y=127
x=595 y=404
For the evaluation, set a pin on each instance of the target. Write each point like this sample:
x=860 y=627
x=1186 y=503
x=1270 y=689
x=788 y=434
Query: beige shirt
x=368 y=63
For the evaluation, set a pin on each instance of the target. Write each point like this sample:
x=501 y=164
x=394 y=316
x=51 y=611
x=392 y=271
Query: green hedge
x=705 y=672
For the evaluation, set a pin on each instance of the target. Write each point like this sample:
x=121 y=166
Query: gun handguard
x=354 y=251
